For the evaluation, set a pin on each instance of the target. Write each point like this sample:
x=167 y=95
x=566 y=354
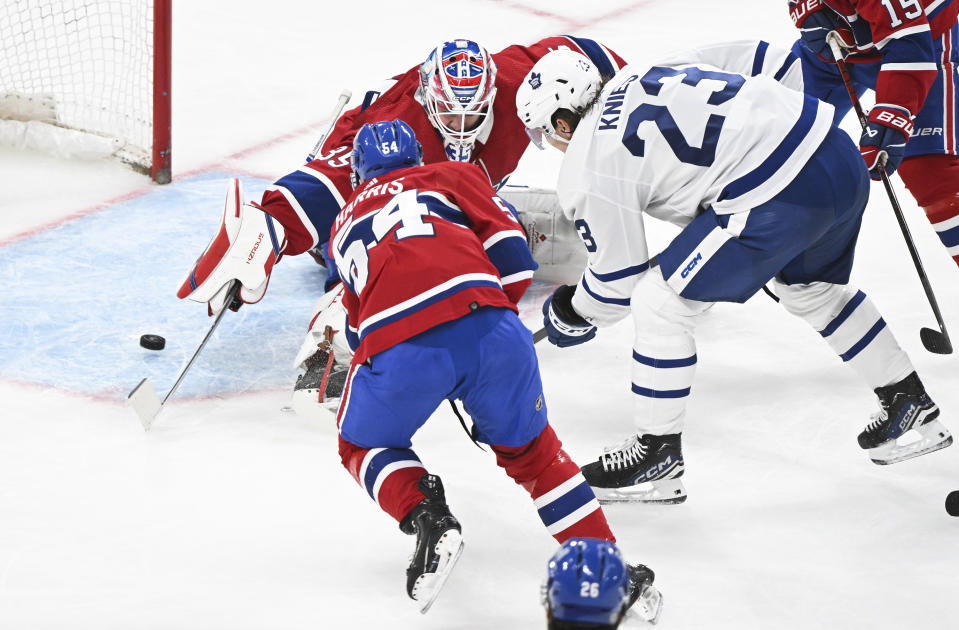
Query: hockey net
x=88 y=78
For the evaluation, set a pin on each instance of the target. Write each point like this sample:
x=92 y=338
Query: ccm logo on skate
x=256 y=246
x=692 y=265
x=657 y=470
x=908 y=417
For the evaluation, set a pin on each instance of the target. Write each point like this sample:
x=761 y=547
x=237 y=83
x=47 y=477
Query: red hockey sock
x=944 y=217
x=389 y=476
x=934 y=181
x=565 y=502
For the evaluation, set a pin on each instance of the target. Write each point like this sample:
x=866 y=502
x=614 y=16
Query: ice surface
x=234 y=514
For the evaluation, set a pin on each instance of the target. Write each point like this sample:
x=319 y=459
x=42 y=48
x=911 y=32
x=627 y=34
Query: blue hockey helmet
x=587 y=582
x=381 y=147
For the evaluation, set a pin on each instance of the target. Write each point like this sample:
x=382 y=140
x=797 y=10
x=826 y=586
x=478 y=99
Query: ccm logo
x=657 y=470
x=256 y=246
x=802 y=9
x=692 y=265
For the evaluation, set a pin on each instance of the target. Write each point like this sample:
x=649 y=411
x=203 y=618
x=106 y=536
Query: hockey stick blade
x=935 y=341
x=144 y=399
x=145 y=402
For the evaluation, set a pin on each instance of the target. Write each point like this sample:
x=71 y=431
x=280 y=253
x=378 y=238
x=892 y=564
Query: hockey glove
x=815 y=21
x=245 y=248
x=883 y=141
x=564 y=326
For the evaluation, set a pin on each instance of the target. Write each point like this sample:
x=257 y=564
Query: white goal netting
x=76 y=77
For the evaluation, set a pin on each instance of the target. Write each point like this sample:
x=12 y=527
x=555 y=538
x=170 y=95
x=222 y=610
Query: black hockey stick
x=539 y=335
x=144 y=399
x=936 y=341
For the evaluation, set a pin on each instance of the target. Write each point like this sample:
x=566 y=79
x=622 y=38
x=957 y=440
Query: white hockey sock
x=852 y=326
x=664 y=355
x=662 y=374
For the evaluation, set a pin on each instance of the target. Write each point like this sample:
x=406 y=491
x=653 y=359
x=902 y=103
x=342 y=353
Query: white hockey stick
x=144 y=399
x=341 y=102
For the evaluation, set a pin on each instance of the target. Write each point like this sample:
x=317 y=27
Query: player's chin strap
x=470 y=432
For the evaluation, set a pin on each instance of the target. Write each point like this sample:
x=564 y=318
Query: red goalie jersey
x=422 y=246
x=307 y=200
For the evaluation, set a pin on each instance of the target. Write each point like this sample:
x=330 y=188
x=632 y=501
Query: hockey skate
x=643 y=469
x=317 y=391
x=439 y=543
x=906 y=425
x=645 y=601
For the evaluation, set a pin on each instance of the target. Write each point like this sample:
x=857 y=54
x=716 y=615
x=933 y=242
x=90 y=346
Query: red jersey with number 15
x=422 y=246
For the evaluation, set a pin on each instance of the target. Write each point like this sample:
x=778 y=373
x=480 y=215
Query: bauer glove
x=884 y=138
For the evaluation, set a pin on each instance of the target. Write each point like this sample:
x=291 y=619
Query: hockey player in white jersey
x=765 y=189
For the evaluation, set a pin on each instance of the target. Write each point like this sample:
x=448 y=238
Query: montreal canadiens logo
x=463 y=69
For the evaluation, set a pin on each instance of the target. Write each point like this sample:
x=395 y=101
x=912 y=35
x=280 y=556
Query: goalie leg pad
x=328 y=312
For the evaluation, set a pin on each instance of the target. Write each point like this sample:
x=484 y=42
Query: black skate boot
x=645 y=600
x=903 y=406
x=643 y=469
x=439 y=543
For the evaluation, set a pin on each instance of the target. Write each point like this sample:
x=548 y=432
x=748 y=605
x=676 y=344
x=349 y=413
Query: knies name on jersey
x=612 y=108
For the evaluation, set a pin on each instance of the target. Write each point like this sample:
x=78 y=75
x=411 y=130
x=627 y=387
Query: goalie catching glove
x=245 y=248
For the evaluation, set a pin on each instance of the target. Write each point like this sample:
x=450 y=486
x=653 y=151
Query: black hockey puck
x=153 y=342
x=952 y=503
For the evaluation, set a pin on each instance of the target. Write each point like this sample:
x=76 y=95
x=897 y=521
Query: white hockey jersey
x=672 y=141
x=747 y=57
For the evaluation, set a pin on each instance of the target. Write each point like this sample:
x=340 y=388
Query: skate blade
x=428 y=586
x=667 y=492
x=647 y=608
x=933 y=436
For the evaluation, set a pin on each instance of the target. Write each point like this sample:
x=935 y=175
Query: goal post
x=162 y=84
x=88 y=78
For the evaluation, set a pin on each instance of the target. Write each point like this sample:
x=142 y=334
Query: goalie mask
x=379 y=148
x=457 y=88
x=562 y=79
x=587 y=582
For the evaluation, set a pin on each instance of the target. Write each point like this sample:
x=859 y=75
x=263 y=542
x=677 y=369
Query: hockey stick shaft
x=938 y=343
x=539 y=335
x=341 y=102
x=231 y=296
x=144 y=400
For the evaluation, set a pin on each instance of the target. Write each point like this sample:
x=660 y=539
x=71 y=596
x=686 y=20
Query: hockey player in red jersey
x=907 y=51
x=433 y=263
x=459 y=102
